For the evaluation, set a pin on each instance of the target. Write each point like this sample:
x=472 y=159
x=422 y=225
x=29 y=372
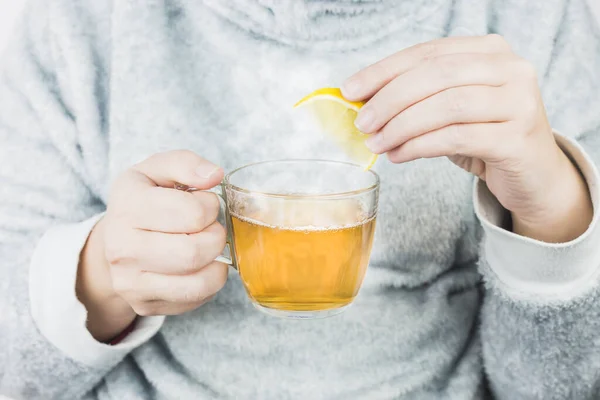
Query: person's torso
x=183 y=77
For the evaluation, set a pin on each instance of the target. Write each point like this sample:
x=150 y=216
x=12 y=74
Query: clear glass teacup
x=300 y=233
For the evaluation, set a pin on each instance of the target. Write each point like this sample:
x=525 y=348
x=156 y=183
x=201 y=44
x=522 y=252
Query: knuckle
x=456 y=138
x=145 y=309
x=187 y=156
x=116 y=253
x=209 y=205
x=119 y=244
x=394 y=155
x=525 y=69
x=120 y=284
x=178 y=157
x=218 y=279
x=215 y=203
x=196 y=294
x=177 y=154
x=198 y=217
x=189 y=254
x=203 y=209
x=115 y=210
x=187 y=159
x=497 y=42
x=445 y=66
x=150 y=160
x=429 y=50
x=528 y=106
x=456 y=101
x=220 y=235
x=379 y=69
x=209 y=283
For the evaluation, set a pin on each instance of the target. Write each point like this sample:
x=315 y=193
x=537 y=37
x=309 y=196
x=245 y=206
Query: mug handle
x=228 y=254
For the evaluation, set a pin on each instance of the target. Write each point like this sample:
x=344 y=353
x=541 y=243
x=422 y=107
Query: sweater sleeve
x=59 y=315
x=540 y=321
x=51 y=169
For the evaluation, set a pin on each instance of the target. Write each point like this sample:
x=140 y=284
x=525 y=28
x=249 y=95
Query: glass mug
x=300 y=233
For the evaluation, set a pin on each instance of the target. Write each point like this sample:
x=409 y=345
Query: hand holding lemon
x=474 y=101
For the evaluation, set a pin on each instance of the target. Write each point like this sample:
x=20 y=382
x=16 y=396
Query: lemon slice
x=336 y=117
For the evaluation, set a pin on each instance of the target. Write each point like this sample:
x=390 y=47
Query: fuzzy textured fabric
x=90 y=87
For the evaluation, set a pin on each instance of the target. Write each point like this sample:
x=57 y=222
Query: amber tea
x=302 y=268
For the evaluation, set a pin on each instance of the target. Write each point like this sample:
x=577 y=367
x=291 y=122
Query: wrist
x=565 y=210
x=108 y=313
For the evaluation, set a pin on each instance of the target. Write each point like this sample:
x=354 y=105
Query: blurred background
x=10 y=10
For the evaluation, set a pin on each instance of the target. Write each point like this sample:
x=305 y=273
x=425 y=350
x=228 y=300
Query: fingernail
x=351 y=88
x=365 y=120
x=374 y=142
x=206 y=170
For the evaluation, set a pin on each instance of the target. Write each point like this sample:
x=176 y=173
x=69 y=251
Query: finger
x=368 y=81
x=159 y=307
x=160 y=209
x=471 y=164
x=465 y=104
x=189 y=288
x=167 y=253
x=180 y=167
x=428 y=79
x=486 y=141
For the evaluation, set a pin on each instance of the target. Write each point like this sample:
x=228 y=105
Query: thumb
x=180 y=168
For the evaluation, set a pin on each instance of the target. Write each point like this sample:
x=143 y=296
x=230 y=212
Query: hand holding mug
x=154 y=251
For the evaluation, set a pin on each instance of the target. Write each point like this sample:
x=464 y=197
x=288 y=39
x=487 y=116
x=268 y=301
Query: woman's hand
x=153 y=252
x=473 y=100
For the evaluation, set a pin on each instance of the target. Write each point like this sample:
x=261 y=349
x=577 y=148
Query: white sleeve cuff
x=57 y=312
x=528 y=268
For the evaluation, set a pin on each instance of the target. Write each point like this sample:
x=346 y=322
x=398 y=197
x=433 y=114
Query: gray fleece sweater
x=90 y=87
